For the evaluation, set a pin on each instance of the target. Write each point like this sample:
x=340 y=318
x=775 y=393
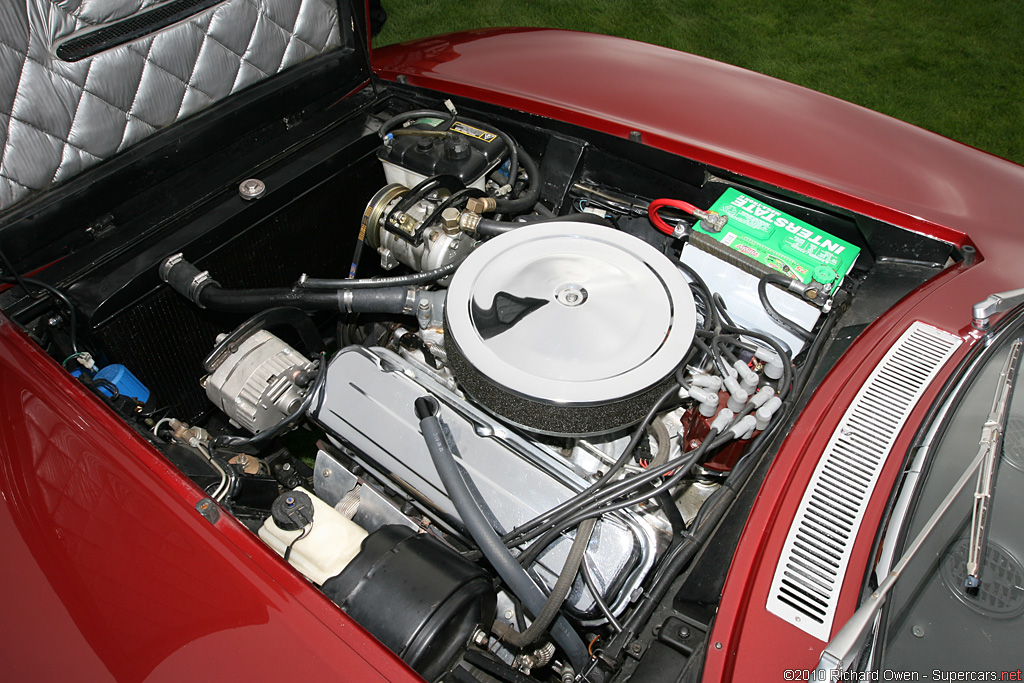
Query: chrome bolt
x=571 y=295
x=251 y=189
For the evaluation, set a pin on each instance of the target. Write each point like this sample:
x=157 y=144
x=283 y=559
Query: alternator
x=260 y=383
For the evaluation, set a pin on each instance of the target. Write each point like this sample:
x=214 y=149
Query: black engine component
x=292 y=510
x=442 y=598
x=464 y=151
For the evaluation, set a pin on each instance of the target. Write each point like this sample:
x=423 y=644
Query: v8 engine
x=526 y=430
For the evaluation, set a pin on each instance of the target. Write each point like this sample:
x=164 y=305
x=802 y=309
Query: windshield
x=932 y=624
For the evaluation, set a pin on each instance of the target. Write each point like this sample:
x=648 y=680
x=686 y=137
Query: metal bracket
x=208 y=509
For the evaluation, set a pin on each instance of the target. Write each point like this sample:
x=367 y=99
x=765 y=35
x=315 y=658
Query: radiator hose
x=200 y=288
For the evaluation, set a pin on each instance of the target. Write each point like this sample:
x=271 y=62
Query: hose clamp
x=196 y=286
x=347 y=297
x=411 y=300
x=168 y=265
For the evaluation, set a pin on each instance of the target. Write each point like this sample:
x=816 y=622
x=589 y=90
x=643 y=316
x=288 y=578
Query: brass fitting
x=468 y=221
x=481 y=205
x=450 y=220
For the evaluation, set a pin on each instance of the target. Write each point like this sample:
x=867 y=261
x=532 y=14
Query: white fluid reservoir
x=330 y=542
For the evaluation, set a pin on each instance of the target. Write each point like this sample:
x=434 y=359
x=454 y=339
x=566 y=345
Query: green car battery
x=763 y=240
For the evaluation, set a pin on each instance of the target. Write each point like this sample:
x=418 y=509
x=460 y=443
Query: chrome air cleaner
x=567 y=328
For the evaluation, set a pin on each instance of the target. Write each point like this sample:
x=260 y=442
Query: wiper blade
x=992 y=444
x=838 y=655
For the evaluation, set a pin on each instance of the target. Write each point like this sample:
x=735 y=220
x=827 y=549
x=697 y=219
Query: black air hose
x=486 y=538
x=573 y=561
x=206 y=292
x=374 y=283
x=488 y=227
x=532 y=194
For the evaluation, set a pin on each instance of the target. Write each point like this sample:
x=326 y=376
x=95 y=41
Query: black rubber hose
x=376 y=283
x=206 y=292
x=386 y=300
x=532 y=194
x=773 y=313
x=723 y=312
x=459 y=196
x=486 y=538
x=573 y=561
x=442 y=181
x=489 y=228
x=675 y=518
x=449 y=119
x=677 y=559
x=588 y=579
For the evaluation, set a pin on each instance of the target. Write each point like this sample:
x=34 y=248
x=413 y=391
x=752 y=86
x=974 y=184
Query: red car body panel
x=799 y=140
x=105 y=553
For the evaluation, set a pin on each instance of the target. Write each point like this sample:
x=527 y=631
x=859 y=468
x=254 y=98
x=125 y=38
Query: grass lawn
x=956 y=68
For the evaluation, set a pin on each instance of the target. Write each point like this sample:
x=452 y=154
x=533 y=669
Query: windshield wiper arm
x=992 y=444
x=838 y=655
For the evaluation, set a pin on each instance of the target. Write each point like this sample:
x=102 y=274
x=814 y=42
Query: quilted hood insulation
x=57 y=118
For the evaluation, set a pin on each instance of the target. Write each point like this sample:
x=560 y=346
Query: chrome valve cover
x=367 y=405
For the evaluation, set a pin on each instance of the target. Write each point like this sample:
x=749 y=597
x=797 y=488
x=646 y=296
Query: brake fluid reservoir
x=322 y=541
x=467 y=152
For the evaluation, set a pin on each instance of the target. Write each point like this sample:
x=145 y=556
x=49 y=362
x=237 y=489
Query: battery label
x=781 y=242
x=460 y=127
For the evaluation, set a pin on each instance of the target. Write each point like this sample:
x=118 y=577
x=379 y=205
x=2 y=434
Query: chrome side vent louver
x=810 y=572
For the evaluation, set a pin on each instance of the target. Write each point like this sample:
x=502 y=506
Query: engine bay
x=492 y=384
